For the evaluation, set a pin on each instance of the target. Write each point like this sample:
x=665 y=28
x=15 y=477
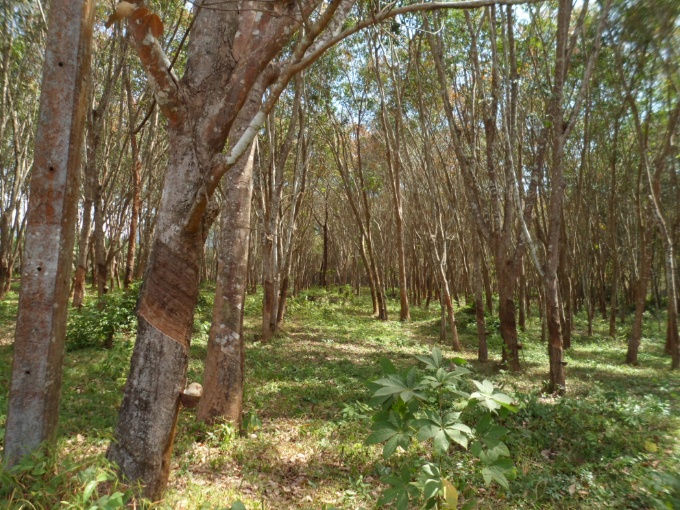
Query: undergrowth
x=612 y=442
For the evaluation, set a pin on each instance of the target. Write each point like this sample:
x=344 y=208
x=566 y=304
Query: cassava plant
x=434 y=405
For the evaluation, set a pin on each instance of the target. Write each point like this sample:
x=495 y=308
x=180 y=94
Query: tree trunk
x=5 y=250
x=35 y=389
x=224 y=369
x=482 y=352
x=136 y=190
x=84 y=244
x=644 y=272
x=507 y=281
x=147 y=418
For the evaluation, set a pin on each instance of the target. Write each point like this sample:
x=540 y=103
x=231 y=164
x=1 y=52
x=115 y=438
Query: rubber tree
x=35 y=389
x=229 y=51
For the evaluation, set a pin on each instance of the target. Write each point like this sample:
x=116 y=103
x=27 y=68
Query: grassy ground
x=602 y=446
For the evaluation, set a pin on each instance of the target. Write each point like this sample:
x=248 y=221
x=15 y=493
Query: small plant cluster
x=96 y=323
x=435 y=406
x=40 y=481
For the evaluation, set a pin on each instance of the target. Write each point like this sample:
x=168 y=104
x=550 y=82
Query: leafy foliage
x=96 y=323
x=40 y=481
x=435 y=406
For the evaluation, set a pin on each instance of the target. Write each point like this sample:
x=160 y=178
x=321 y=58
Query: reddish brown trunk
x=147 y=419
x=35 y=389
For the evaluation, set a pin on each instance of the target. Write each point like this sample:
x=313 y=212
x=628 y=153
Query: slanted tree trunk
x=201 y=110
x=35 y=389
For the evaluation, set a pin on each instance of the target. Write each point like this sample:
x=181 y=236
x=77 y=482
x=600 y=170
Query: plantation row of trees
x=430 y=151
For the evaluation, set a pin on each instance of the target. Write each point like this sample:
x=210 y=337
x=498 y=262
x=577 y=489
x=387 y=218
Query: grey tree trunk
x=225 y=360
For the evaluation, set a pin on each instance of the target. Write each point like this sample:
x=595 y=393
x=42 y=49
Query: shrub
x=436 y=406
x=95 y=324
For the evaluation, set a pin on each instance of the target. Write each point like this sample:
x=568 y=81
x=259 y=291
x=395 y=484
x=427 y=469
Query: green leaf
x=441 y=442
x=387 y=366
x=402 y=501
x=434 y=361
x=476 y=448
x=500 y=450
x=485 y=387
x=237 y=505
x=462 y=427
x=380 y=436
x=431 y=488
x=457 y=437
x=427 y=430
x=391 y=446
x=390 y=495
x=431 y=470
x=493 y=473
x=89 y=489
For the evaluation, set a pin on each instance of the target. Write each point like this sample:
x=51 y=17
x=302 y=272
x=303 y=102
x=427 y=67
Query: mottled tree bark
x=201 y=109
x=225 y=360
x=35 y=389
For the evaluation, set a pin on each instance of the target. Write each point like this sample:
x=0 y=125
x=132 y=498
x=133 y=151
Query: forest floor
x=612 y=442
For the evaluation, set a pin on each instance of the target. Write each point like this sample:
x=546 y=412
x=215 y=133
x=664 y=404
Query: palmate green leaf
x=400 y=490
x=427 y=430
x=444 y=378
x=380 y=436
x=387 y=366
x=443 y=430
x=494 y=474
x=431 y=470
x=393 y=430
x=485 y=387
x=457 y=437
x=393 y=384
x=434 y=360
x=431 y=489
x=505 y=401
x=391 y=445
x=402 y=501
x=499 y=450
x=397 y=385
x=441 y=442
x=494 y=432
x=476 y=448
x=389 y=495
